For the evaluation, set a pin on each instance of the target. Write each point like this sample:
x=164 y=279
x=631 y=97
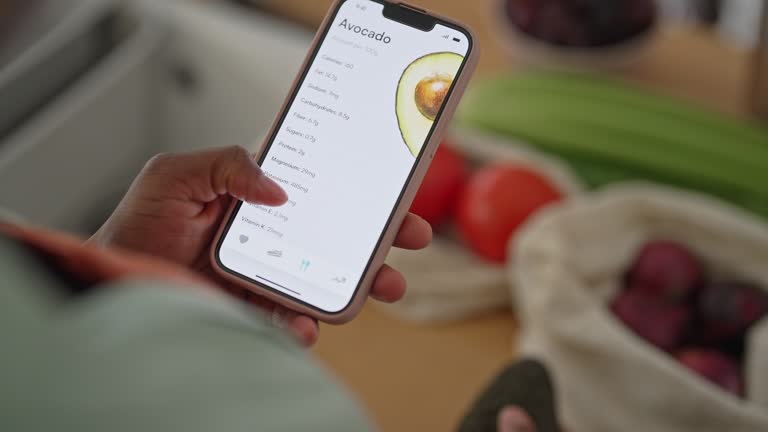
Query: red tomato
x=438 y=192
x=495 y=202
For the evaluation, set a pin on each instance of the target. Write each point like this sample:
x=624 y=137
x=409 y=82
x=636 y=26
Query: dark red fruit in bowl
x=666 y=270
x=727 y=309
x=662 y=324
x=715 y=367
x=584 y=23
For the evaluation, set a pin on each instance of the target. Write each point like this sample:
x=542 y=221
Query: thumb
x=205 y=175
x=514 y=419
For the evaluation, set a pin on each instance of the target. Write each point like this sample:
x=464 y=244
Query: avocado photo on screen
x=420 y=95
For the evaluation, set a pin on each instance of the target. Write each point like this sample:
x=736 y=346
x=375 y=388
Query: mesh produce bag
x=568 y=264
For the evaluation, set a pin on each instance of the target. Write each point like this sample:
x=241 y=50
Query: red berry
x=715 y=367
x=662 y=324
x=666 y=270
x=727 y=309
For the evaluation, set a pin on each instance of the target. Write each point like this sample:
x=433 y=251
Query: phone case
x=360 y=296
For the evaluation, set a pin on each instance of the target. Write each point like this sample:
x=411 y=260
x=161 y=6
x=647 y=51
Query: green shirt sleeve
x=148 y=356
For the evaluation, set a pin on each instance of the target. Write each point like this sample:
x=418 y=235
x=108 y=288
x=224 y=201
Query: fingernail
x=272 y=188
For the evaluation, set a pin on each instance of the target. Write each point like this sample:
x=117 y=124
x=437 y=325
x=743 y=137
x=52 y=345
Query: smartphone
x=350 y=147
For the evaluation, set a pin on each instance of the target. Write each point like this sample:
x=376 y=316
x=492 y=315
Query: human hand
x=176 y=204
x=514 y=419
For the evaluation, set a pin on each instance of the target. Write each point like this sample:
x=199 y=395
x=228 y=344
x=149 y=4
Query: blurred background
x=572 y=101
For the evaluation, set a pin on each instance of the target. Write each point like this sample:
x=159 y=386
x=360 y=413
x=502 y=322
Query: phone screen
x=344 y=151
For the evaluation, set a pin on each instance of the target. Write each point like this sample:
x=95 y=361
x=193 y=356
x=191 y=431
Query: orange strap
x=94 y=265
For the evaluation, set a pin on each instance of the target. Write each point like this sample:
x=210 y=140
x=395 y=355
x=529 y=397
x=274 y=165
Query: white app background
x=340 y=157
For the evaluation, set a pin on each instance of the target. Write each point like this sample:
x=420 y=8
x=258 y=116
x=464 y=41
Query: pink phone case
x=353 y=308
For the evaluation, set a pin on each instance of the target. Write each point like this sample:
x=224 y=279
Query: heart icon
x=243 y=238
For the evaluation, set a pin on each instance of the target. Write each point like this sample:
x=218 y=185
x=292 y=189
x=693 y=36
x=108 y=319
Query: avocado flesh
x=413 y=123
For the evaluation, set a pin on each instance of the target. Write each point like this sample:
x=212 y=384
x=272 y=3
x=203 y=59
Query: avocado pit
x=430 y=94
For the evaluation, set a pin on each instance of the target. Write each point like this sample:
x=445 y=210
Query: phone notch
x=409 y=15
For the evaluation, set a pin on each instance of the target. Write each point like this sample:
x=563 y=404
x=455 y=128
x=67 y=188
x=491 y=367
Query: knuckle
x=237 y=154
x=232 y=170
x=159 y=161
x=241 y=160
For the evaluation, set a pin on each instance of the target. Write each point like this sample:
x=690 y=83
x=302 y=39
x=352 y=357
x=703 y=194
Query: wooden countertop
x=421 y=377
